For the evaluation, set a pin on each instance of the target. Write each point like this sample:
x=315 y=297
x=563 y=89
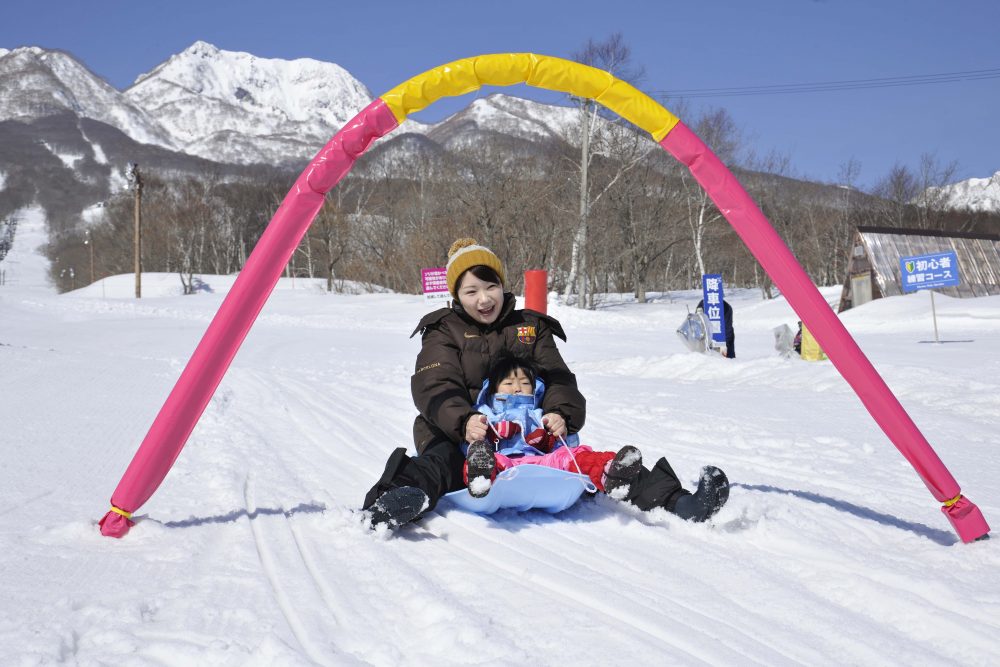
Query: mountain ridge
x=236 y=108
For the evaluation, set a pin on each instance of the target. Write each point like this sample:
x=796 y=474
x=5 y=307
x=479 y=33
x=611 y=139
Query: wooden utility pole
x=90 y=242
x=135 y=178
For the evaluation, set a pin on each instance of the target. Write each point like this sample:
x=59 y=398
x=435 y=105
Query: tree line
x=649 y=226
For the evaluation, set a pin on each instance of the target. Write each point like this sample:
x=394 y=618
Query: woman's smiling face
x=480 y=298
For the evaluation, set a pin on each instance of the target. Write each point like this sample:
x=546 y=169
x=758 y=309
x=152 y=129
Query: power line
x=827 y=86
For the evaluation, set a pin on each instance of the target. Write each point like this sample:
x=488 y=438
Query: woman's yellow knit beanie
x=465 y=254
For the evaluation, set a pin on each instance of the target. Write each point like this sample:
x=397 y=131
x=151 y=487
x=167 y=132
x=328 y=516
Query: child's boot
x=480 y=464
x=712 y=494
x=622 y=472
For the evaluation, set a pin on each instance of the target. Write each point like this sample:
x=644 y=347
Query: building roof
x=978 y=257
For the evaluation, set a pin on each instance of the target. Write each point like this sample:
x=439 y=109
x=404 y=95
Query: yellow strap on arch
x=118 y=510
x=949 y=503
x=505 y=69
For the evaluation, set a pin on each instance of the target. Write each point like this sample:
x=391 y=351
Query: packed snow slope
x=253 y=552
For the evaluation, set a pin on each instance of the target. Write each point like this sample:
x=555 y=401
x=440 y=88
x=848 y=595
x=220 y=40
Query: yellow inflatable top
x=506 y=69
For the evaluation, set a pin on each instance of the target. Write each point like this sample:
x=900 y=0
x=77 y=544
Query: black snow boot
x=481 y=461
x=622 y=472
x=398 y=506
x=712 y=494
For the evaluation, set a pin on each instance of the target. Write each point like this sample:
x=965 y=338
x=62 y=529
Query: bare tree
x=895 y=193
x=718 y=130
x=646 y=211
x=846 y=218
x=932 y=201
x=615 y=56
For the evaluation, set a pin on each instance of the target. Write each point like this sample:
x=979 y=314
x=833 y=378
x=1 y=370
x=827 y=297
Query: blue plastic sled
x=526 y=487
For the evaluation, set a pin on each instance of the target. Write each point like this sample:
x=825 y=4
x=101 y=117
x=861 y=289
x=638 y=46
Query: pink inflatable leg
x=225 y=334
x=772 y=253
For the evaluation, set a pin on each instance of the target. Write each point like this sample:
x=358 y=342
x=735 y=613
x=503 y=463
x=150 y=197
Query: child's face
x=517 y=382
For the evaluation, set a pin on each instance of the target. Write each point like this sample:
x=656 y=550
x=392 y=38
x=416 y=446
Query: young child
x=510 y=401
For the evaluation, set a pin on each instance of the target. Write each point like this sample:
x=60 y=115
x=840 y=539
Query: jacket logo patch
x=471 y=335
x=526 y=334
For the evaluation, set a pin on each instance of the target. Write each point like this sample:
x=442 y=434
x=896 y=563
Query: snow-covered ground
x=830 y=552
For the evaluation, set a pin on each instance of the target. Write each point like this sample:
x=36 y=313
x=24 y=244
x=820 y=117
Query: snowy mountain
x=39 y=82
x=977 y=194
x=240 y=108
x=509 y=116
x=525 y=124
x=403 y=152
x=236 y=107
x=60 y=122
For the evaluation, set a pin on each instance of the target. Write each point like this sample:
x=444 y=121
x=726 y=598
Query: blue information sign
x=929 y=271
x=711 y=287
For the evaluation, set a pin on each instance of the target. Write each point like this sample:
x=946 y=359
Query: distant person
x=727 y=312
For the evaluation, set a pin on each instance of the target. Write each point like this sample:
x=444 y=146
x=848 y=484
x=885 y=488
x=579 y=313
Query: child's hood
x=503 y=402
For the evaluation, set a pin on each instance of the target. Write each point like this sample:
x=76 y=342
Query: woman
x=459 y=345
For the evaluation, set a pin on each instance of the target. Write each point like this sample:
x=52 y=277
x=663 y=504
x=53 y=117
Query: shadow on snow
x=301 y=508
x=942 y=537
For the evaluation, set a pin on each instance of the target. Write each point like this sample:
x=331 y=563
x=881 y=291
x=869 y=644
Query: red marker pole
x=536 y=291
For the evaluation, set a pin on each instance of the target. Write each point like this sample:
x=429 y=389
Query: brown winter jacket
x=456 y=356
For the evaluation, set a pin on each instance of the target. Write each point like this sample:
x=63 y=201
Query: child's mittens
x=506 y=429
x=540 y=439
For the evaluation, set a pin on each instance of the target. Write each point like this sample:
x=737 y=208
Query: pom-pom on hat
x=465 y=254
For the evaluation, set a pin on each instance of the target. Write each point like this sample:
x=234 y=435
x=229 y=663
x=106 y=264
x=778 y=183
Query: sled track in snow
x=311 y=594
x=685 y=643
x=558 y=588
x=312 y=414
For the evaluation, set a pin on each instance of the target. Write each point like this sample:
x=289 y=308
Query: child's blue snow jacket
x=522 y=409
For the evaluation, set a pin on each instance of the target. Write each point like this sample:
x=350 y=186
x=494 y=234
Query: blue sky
x=681 y=45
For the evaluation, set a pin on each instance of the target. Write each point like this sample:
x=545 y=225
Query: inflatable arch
x=211 y=358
